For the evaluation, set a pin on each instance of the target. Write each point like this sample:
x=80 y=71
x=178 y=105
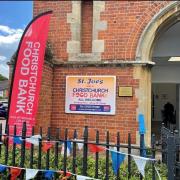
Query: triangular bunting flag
x=117 y=159
x=62 y=149
x=141 y=163
x=15 y=172
x=34 y=139
x=49 y=174
x=69 y=145
x=80 y=146
x=46 y=146
x=17 y=140
x=37 y=136
x=2 y=168
x=31 y=173
x=28 y=145
x=79 y=177
x=68 y=174
x=68 y=149
x=94 y=148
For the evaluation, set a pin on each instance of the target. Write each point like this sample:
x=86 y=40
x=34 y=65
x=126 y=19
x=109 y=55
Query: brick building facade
x=102 y=38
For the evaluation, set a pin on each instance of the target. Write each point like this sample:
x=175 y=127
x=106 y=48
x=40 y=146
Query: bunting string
x=47 y=144
x=117 y=156
x=146 y=159
x=38 y=137
x=31 y=173
x=117 y=159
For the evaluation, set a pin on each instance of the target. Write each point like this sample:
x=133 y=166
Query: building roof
x=4 y=85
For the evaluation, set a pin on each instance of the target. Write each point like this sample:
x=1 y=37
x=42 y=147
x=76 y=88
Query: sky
x=14 y=17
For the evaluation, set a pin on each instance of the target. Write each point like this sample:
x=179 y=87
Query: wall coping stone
x=11 y=63
x=114 y=63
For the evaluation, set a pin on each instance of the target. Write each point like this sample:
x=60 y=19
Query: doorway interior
x=163 y=93
x=166 y=76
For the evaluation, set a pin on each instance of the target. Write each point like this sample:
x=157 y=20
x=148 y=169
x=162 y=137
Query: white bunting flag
x=38 y=136
x=141 y=163
x=68 y=152
x=62 y=151
x=80 y=146
x=31 y=173
x=79 y=177
x=34 y=139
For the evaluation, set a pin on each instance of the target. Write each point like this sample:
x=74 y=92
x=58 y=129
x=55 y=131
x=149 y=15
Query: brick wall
x=45 y=100
x=126 y=21
x=125 y=118
x=59 y=32
x=86 y=26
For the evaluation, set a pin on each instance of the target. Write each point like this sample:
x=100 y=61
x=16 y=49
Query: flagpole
x=15 y=63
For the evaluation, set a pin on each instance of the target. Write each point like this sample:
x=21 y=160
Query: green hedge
x=91 y=166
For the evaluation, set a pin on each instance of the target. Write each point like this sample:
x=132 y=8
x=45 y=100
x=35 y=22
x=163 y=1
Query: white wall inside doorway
x=166 y=74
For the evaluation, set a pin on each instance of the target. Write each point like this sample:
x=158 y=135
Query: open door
x=164 y=106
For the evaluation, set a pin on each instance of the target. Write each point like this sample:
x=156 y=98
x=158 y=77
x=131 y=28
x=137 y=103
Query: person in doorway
x=169 y=118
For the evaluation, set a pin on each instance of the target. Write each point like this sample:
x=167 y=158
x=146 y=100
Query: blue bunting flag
x=49 y=174
x=117 y=159
x=69 y=146
x=2 y=168
x=17 y=140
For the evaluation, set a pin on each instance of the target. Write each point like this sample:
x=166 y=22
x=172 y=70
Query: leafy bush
x=123 y=172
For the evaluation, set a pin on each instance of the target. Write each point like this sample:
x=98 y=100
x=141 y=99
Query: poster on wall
x=90 y=94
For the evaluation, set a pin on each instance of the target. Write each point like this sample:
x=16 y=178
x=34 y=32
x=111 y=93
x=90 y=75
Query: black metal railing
x=170 y=152
x=35 y=158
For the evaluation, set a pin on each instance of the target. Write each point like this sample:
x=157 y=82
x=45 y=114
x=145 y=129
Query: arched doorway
x=166 y=78
x=146 y=52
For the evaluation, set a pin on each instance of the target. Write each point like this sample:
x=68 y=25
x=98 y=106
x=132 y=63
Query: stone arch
x=168 y=16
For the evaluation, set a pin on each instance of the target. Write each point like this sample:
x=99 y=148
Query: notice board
x=91 y=94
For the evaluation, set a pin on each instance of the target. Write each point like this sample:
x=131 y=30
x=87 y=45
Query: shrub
x=123 y=172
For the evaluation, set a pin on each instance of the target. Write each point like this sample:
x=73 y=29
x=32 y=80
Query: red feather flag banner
x=26 y=78
x=94 y=148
